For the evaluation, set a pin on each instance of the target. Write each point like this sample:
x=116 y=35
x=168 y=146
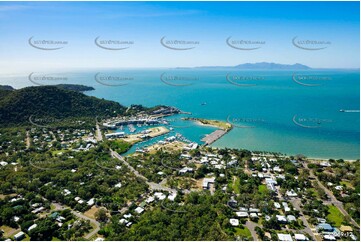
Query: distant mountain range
x=260 y=66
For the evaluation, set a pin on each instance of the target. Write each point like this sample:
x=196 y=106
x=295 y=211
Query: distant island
x=258 y=66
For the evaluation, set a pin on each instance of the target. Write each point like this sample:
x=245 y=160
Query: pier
x=212 y=137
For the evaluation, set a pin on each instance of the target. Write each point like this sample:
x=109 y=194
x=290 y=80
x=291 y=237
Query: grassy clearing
x=335 y=217
x=262 y=189
x=347 y=184
x=236 y=184
x=244 y=233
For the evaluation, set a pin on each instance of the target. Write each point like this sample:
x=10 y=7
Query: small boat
x=203 y=103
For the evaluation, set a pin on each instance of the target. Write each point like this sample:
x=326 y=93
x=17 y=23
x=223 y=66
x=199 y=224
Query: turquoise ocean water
x=293 y=112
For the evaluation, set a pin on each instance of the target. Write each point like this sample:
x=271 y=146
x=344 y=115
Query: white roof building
x=32 y=227
x=291 y=218
x=172 y=196
x=291 y=193
x=159 y=195
x=284 y=237
x=139 y=210
x=91 y=202
x=234 y=222
x=329 y=237
x=207 y=181
x=277 y=205
x=242 y=214
x=19 y=236
x=150 y=199
x=300 y=237
x=281 y=218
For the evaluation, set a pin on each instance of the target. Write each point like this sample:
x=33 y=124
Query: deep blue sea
x=292 y=112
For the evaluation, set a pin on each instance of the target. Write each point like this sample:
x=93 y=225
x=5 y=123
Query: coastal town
x=96 y=192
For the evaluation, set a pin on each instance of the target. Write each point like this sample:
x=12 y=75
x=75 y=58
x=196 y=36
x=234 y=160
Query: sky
x=272 y=25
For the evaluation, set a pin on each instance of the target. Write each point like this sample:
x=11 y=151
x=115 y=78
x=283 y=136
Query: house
x=172 y=196
x=321 y=220
x=19 y=236
x=253 y=215
x=32 y=227
x=339 y=188
x=3 y=163
x=139 y=210
x=277 y=205
x=91 y=202
x=324 y=227
x=207 y=182
x=277 y=169
x=186 y=156
x=66 y=192
x=329 y=237
x=54 y=215
x=185 y=170
x=291 y=218
x=115 y=135
x=123 y=221
x=118 y=185
x=284 y=237
x=325 y=164
x=159 y=195
x=291 y=193
x=253 y=210
x=232 y=163
x=271 y=187
x=346 y=229
x=127 y=215
x=281 y=219
x=242 y=214
x=16 y=219
x=300 y=237
x=38 y=210
x=234 y=222
x=243 y=209
x=150 y=199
